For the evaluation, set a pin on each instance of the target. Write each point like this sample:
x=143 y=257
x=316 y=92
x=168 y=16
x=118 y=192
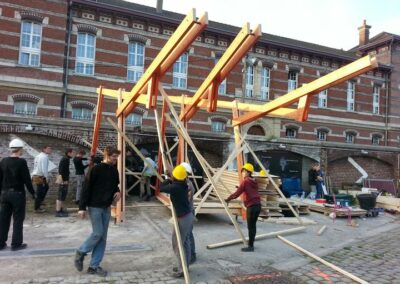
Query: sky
x=331 y=23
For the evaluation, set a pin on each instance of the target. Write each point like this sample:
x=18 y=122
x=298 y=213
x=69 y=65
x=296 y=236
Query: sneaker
x=3 y=246
x=97 y=271
x=40 y=210
x=248 y=249
x=79 y=257
x=65 y=213
x=177 y=274
x=60 y=214
x=19 y=247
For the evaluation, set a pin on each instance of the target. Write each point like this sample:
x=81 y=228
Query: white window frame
x=376 y=139
x=222 y=86
x=351 y=90
x=350 y=137
x=249 y=91
x=322 y=135
x=265 y=80
x=85 y=113
x=180 y=72
x=291 y=133
x=292 y=80
x=27 y=40
x=136 y=51
x=25 y=108
x=376 y=99
x=323 y=99
x=217 y=126
x=84 y=59
x=134 y=119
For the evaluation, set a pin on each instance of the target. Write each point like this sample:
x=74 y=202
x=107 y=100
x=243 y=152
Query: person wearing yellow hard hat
x=262 y=173
x=179 y=192
x=249 y=188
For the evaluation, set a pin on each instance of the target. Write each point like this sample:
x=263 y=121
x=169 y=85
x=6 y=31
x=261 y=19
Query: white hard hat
x=187 y=167
x=16 y=143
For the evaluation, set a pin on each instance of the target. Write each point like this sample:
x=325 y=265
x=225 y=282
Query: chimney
x=159 y=6
x=363 y=33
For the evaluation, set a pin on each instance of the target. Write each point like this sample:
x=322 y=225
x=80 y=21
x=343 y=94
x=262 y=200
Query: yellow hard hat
x=179 y=173
x=248 y=167
x=262 y=173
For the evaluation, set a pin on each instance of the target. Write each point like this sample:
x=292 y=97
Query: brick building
x=55 y=53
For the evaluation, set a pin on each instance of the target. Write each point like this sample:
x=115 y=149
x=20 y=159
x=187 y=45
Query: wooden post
x=121 y=165
x=334 y=267
x=97 y=122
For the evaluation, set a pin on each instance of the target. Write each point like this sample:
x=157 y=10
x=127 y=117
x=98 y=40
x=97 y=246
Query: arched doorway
x=256 y=130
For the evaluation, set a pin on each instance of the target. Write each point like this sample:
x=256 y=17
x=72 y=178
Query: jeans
x=41 y=191
x=79 y=185
x=252 y=216
x=96 y=243
x=185 y=224
x=145 y=182
x=12 y=204
x=319 y=190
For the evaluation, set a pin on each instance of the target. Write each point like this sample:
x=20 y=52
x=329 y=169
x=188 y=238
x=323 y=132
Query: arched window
x=85 y=53
x=82 y=110
x=180 y=72
x=350 y=137
x=218 y=126
x=30 y=43
x=25 y=107
x=376 y=139
x=265 y=75
x=135 y=61
x=256 y=130
x=291 y=132
x=322 y=134
x=134 y=119
x=249 y=81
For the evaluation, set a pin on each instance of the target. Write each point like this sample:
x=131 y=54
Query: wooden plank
x=259 y=237
x=322 y=230
x=330 y=265
x=334 y=78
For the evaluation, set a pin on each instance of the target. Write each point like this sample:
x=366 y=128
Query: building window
x=217 y=126
x=82 y=113
x=323 y=99
x=265 y=75
x=180 y=72
x=375 y=98
x=222 y=86
x=376 y=139
x=291 y=133
x=249 y=81
x=85 y=54
x=350 y=137
x=25 y=108
x=31 y=38
x=292 y=81
x=321 y=135
x=134 y=119
x=135 y=61
x=351 y=86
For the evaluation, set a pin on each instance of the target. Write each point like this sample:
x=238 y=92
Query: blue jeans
x=96 y=243
x=319 y=190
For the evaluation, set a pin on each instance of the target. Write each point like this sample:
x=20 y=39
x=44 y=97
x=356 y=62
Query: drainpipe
x=63 y=113
x=387 y=84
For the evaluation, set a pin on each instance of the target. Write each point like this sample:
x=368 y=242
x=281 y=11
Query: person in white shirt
x=40 y=176
x=147 y=174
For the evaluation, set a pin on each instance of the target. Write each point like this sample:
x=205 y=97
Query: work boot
x=3 y=246
x=177 y=274
x=97 y=271
x=248 y=249
x=40 y=210
x=79 y=257
x=60 y=214
x=19 y=247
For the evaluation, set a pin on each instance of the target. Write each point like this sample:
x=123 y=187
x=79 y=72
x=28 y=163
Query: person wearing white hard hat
x=14 y=176
x=189 y=171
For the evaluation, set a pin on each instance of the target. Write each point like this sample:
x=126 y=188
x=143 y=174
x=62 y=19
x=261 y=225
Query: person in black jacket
x=14 y=175
x=179 y=195
x=80 y=173
x=100 y=191
x=63 y=170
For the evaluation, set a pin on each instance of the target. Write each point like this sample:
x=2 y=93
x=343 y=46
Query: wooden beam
x=334 y=78
x=303 y=108
x=334 y=267
x=259 y=237
x=97 y=121
x=183 y=36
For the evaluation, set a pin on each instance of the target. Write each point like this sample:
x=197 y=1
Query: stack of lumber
x=228 y=184
x=388 y=202
x=301 y=208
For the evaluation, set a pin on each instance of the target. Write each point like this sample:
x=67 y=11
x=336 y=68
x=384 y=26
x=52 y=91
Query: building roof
x=176 y=18
x=380 y=38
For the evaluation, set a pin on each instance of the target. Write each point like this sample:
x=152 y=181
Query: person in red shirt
x=252 y=202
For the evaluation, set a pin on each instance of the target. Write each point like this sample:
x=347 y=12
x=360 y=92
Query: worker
x=147 y=175
x=101 y=189
x=178 y=190
x=63 y=170
x=249 y=187
x=189 y=171
x=14 y=175
x=40 y=177
x=262 y=173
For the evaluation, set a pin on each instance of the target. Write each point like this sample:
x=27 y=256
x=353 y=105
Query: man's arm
x=45 y=165
x=27 y=177
x=238 y=192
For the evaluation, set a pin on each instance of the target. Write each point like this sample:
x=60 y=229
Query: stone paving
x=375 y=260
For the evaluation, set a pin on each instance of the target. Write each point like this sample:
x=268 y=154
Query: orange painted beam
x=97 y=122
x=236 y=50
x=303 y=108
x=183 y=36
x=334 y=78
